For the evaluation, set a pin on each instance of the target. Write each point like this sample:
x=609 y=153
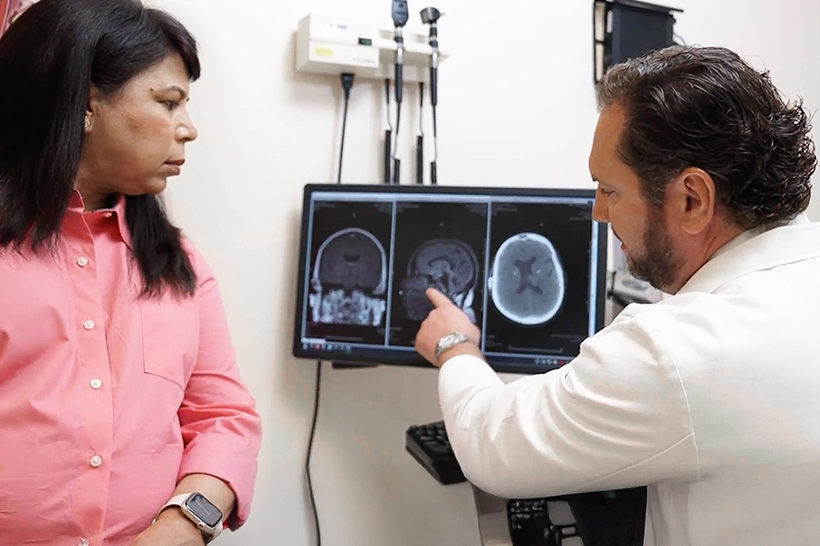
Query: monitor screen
x=638 y=30
x=527 y=266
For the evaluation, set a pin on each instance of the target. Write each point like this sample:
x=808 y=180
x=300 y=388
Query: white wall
x=516 y=108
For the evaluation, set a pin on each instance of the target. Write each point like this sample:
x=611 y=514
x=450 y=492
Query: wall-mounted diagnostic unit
x=334 y=45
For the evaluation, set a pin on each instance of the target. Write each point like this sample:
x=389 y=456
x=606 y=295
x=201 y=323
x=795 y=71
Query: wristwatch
x=451 y=340
x=206 y=516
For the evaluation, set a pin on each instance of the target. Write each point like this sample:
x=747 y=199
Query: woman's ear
x=91 y=109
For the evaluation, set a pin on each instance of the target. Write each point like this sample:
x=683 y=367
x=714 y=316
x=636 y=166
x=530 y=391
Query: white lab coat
x=711 y=397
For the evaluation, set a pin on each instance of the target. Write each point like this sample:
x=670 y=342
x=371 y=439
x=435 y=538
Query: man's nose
x=600 y=212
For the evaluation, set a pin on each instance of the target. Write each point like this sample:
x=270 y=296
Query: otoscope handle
x=419 y=159
x=399 y=79
x=434 y=86
x=397 y=171
x=388 y=138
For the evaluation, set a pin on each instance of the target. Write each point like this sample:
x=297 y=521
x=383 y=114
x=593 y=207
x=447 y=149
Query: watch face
x=204 y=510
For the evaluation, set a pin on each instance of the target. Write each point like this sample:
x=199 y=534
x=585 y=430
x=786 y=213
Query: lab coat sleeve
x=616 y=416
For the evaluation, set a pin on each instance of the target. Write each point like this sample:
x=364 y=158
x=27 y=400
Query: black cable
x=347 y=84
x=310 y=451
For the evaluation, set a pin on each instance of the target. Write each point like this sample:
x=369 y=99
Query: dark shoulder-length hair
x=706 y=107
x=49 y=59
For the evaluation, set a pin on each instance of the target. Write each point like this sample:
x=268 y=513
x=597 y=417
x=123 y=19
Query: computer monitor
x=528 y=266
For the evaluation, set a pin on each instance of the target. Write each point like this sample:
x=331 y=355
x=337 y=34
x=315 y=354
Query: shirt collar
x=77 y=205
x=756 y=250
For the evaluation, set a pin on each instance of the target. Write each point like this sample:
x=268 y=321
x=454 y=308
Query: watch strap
x=208 y=533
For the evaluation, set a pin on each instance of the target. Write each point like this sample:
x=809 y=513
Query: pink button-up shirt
x=108 y=399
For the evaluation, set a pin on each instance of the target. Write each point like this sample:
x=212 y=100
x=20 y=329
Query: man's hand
x=445 y=318
x=172 y=528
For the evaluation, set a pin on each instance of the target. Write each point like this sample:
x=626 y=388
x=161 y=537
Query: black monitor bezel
x=413 y=359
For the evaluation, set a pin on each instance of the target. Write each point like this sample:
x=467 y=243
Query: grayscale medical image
x=439 y=245
x=347 y=291
x=448 y=265
x=526 y=280
x=538 y=279
x=349 y=280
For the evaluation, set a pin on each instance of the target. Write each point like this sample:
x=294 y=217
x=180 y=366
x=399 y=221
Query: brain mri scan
x=448 y=265
x=349 y=280
x=527 y=280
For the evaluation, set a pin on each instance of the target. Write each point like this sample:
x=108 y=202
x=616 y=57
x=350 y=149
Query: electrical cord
x=310 y=451
x=347 y=85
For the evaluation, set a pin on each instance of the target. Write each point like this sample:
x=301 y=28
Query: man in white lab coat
x=712 y=396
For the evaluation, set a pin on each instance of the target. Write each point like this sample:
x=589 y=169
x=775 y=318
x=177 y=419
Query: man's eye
x=170 y=104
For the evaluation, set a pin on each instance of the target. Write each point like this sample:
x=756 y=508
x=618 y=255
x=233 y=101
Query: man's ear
x=691 y=200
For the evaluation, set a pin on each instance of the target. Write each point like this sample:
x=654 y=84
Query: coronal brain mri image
x=527 y=283
x=349 y=280
x=448 y=265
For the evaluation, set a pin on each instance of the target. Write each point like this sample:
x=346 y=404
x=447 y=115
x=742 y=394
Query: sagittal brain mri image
x=527 y=280
x=448 y=265
x=349 y=280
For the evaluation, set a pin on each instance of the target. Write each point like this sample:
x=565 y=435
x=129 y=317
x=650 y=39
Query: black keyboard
x=429 y=445
x=599 y=518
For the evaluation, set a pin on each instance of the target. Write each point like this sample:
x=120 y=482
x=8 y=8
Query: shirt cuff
x=228 y=459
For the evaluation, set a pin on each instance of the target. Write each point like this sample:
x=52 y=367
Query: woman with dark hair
x=123 y=417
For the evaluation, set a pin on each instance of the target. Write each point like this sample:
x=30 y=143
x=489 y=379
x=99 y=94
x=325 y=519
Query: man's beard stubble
x=658 y=264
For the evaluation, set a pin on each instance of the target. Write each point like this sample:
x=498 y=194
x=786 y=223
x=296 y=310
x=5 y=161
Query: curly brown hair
x=706 y=107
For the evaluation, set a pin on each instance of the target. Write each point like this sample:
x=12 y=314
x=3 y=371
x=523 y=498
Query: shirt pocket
x=170 y=328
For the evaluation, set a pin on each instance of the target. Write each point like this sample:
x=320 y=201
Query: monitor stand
x=492 y=518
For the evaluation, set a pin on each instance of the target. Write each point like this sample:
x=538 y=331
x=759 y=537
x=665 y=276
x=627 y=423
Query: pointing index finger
x=437 y=298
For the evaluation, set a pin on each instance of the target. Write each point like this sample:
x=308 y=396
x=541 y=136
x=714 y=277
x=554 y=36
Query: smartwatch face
x=204 y=510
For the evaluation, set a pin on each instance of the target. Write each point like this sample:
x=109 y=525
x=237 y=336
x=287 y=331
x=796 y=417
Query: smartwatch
x=206 y=516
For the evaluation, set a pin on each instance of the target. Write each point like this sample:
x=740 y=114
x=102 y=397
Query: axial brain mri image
x=349 y=280
x=527 y=279
x=448 y=265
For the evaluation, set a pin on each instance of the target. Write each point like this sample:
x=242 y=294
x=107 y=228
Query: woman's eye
x=170 y=104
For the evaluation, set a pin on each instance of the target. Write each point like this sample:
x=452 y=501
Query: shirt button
x=95 y=461
x=108 y=214
x=83 y=542
x=95 y=383
x=82 y=261
x=88 y=325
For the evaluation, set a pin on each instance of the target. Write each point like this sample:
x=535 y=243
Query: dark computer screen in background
x=638 y=30
x=526 y=265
